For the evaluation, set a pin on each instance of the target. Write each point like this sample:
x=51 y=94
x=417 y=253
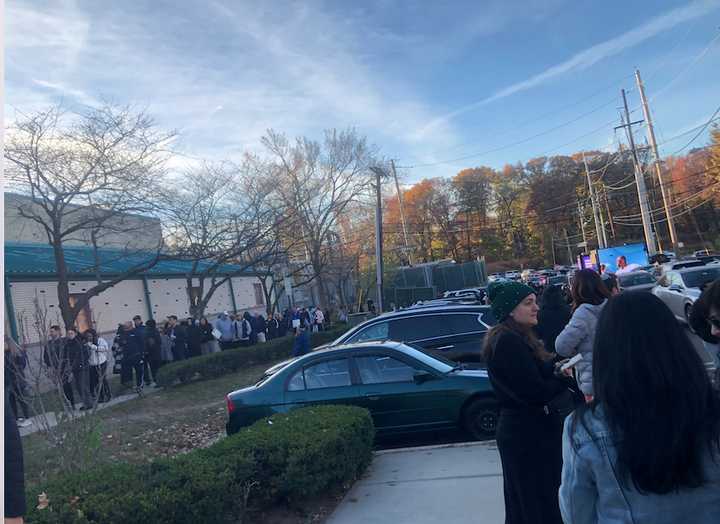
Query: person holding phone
x=646 y=450
x=529 y=431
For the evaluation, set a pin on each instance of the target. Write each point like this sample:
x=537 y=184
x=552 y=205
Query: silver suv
x=679 y=289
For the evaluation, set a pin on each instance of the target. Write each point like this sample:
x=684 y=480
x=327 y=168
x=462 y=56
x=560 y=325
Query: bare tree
x=222 y=218
x=86 y=176
x=318 y=182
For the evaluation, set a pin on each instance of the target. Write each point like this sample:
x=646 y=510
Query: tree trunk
x=68 y=313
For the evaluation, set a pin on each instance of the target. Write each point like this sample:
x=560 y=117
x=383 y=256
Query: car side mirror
x=420 y=377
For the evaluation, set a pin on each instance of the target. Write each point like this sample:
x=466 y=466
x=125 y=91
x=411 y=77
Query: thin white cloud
x=588 y=57
x=78 y=94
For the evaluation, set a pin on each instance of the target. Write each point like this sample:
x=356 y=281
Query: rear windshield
x=700 y=278
x=636 y=279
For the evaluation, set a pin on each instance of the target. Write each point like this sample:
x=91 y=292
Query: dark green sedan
x=404 y=389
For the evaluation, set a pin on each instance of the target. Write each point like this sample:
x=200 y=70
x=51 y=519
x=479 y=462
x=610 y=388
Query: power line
x=704 y=127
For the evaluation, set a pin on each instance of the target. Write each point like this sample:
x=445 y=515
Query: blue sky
x=425 y=81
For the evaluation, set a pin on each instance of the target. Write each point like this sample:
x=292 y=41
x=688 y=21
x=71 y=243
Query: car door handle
x=372 y=396
x=447 y=347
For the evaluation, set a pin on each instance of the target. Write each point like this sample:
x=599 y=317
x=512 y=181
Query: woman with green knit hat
x=529 y=433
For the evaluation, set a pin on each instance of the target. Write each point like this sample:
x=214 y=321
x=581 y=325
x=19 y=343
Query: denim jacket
x=591 y=491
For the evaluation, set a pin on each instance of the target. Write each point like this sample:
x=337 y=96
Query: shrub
x=285 y=459
x=217 y=364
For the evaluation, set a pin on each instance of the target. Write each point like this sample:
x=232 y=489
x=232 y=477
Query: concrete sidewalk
x=52 y=417
x=451 y=484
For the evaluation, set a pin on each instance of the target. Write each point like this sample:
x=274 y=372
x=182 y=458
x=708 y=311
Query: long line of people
x=633 y=434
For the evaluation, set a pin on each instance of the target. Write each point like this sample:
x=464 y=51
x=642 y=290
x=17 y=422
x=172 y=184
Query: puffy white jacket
x=99 y=353
x=579 y=337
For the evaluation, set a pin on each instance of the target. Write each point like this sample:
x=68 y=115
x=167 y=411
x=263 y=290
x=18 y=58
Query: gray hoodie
x=578 y=337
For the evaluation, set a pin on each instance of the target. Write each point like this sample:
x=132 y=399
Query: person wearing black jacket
x=273 y=327
x=153 y=343
x=529 y=432
x=554 y=315
x=78 y=354
x=195 y=338
x=133 y=350
x=58 y=366
x=15 y=382
x=15 y=505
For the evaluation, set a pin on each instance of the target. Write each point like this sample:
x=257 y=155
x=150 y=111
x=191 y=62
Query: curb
x=437 y=446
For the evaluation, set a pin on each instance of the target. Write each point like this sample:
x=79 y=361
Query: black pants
x=530 y=446
x=98 y=383
x=17 y=395
x=136 y=365
x=81 y=381
x=155 y=366
x=68 y=392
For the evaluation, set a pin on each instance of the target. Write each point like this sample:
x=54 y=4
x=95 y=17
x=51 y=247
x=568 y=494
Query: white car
x=680 y=288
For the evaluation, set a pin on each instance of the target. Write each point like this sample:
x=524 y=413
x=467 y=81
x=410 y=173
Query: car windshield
x=434 y=361
x=636 y=279
x=700 y=278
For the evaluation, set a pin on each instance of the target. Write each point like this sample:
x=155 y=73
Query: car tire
x=480 y=418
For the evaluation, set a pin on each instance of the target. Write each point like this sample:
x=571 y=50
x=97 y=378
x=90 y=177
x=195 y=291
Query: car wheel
x=481 y=418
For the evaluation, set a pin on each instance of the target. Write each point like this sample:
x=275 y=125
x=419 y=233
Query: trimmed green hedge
x=286 y=459
x=217 y=364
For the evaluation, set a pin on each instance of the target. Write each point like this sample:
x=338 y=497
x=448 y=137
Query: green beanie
x=505 y=296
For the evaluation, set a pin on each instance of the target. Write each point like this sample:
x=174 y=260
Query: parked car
x=476 y=293
x=447 y=329
x=559 y=280
x=679 y=289
x=404 y=389
x=637 y=281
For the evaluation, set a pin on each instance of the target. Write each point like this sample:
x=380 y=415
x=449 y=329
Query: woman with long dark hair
x=554 y=315
x=530 y=429
x=589 y=295
x=647 y=448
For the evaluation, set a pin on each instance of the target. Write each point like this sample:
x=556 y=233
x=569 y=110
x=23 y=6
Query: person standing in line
x=554 y=315
x=209 y=343
x=15 y=382
x=133 y=358
x=273 y=326
x=246 y=330
x=529 y=430
x=260 y=326
x=225 y=326
x=153 y=349
x=177 y=337
x=15 y=505
x=140 y=330
x=319 y=319
x=98 y=359
x=58 y=365
x=301 y=344
x=646 y=450
x=589 y=296
x=79 y=357
x=194 y=338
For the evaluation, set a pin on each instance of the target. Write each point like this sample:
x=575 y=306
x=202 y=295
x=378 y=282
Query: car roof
x=696 y=269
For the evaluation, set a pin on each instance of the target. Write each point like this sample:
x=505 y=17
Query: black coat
x=77 y=353
x=153 y=343
x=551 y=321
x=133 y=346
x=14 y=468
x=529 y=441
x=698 y=319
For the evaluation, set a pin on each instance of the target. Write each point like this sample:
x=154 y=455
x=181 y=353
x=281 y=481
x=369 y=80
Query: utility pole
x=639 y=180
x=567 y=244
x=581 y=212
x=379 y=173
x=408 y=251
x=658 y=170
x=609 y=213
x=552 y=240
x=593 y=199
